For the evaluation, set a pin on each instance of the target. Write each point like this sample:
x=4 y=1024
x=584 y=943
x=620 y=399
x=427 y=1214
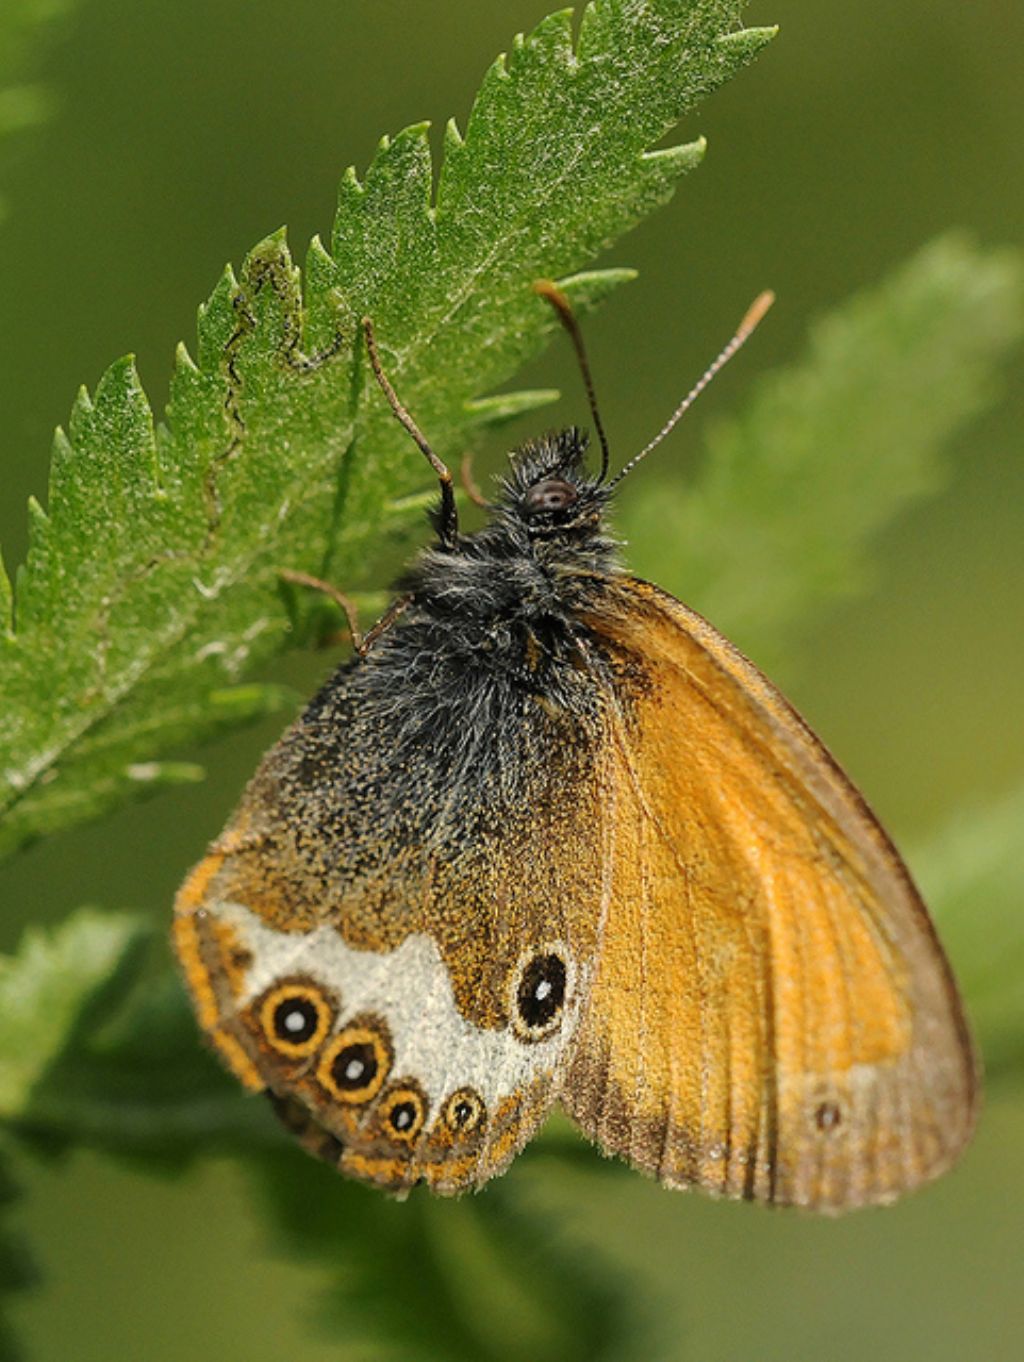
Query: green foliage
x=474 y=1280
x=16 y=1268
x=780 y=519
x=42 y=992
x=24 y=27
x=972 y=869
x=151 y=585
x=99 y=1047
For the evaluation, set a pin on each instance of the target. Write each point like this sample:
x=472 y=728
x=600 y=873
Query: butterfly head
x=549 y=494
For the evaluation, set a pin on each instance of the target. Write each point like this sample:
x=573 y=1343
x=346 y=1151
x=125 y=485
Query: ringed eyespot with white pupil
x=295 y=1019
x=464 y=1112
x=355 y=1064
x=540 y=994
x=403 y=1112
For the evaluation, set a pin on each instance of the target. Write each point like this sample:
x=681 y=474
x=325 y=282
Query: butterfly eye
x=539 y=996
x=402 y=1112
x=356 y=1063
x=553 y=494
x=295 y=1018
x=464 y=1112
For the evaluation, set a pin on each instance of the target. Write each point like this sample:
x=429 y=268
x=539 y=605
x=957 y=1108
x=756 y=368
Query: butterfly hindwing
x=395 y=947
x=771 y=1015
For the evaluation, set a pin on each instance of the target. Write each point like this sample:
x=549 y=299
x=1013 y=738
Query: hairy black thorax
x=491 y=672
x=501 y=609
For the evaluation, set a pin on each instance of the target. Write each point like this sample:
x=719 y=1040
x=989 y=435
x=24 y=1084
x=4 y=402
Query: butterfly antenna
x=752 y=317
x=552 y=294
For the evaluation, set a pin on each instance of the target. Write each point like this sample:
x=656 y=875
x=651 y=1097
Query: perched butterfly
x=549 y=837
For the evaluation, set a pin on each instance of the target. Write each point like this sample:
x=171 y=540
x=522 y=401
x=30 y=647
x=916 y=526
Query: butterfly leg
x=395 y=610
x=469 y=483
x=344 y=603
x=362 y=643
x=448 y=526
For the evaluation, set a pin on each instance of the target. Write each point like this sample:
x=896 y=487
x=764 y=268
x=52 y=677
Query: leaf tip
x=747 y=42
x=415 y=132
x=679 y=159
x=81 y=406
x=352 y=190
x=452 y=135
x=157 y=773
x=501 y=407
x=590 y=287
x=183 y=360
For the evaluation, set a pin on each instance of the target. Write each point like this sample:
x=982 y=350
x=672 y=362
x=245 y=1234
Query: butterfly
x=548 y=837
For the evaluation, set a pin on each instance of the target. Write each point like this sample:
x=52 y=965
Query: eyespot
x=402 y=1112
x=827 y=1117
x=356 y=1063
x=553 y=494
x=539 y=995
x=464 y=1112
x=295 y=1018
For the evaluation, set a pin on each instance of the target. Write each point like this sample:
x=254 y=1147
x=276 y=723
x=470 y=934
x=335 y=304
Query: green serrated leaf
x=152 y=583
x=831 y=449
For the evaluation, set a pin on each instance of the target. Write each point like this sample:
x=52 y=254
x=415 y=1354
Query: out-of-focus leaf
x=972 y=876
x=17 y=1270
x=476 y=1279
x=831 y=449
x=99 y=1047
x=44 y=990
x=25 y=26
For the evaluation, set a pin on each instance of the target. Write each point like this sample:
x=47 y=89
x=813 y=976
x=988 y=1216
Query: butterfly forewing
x=772 y=1016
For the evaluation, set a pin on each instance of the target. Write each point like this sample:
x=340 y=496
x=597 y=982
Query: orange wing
x=772 y=1015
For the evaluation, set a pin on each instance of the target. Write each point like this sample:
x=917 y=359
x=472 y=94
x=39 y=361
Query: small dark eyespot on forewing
x=827 y=1117
x=553 y=494
x=540 y=994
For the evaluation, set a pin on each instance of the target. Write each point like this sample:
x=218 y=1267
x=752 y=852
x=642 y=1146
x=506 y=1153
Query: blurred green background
x=180 y=135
